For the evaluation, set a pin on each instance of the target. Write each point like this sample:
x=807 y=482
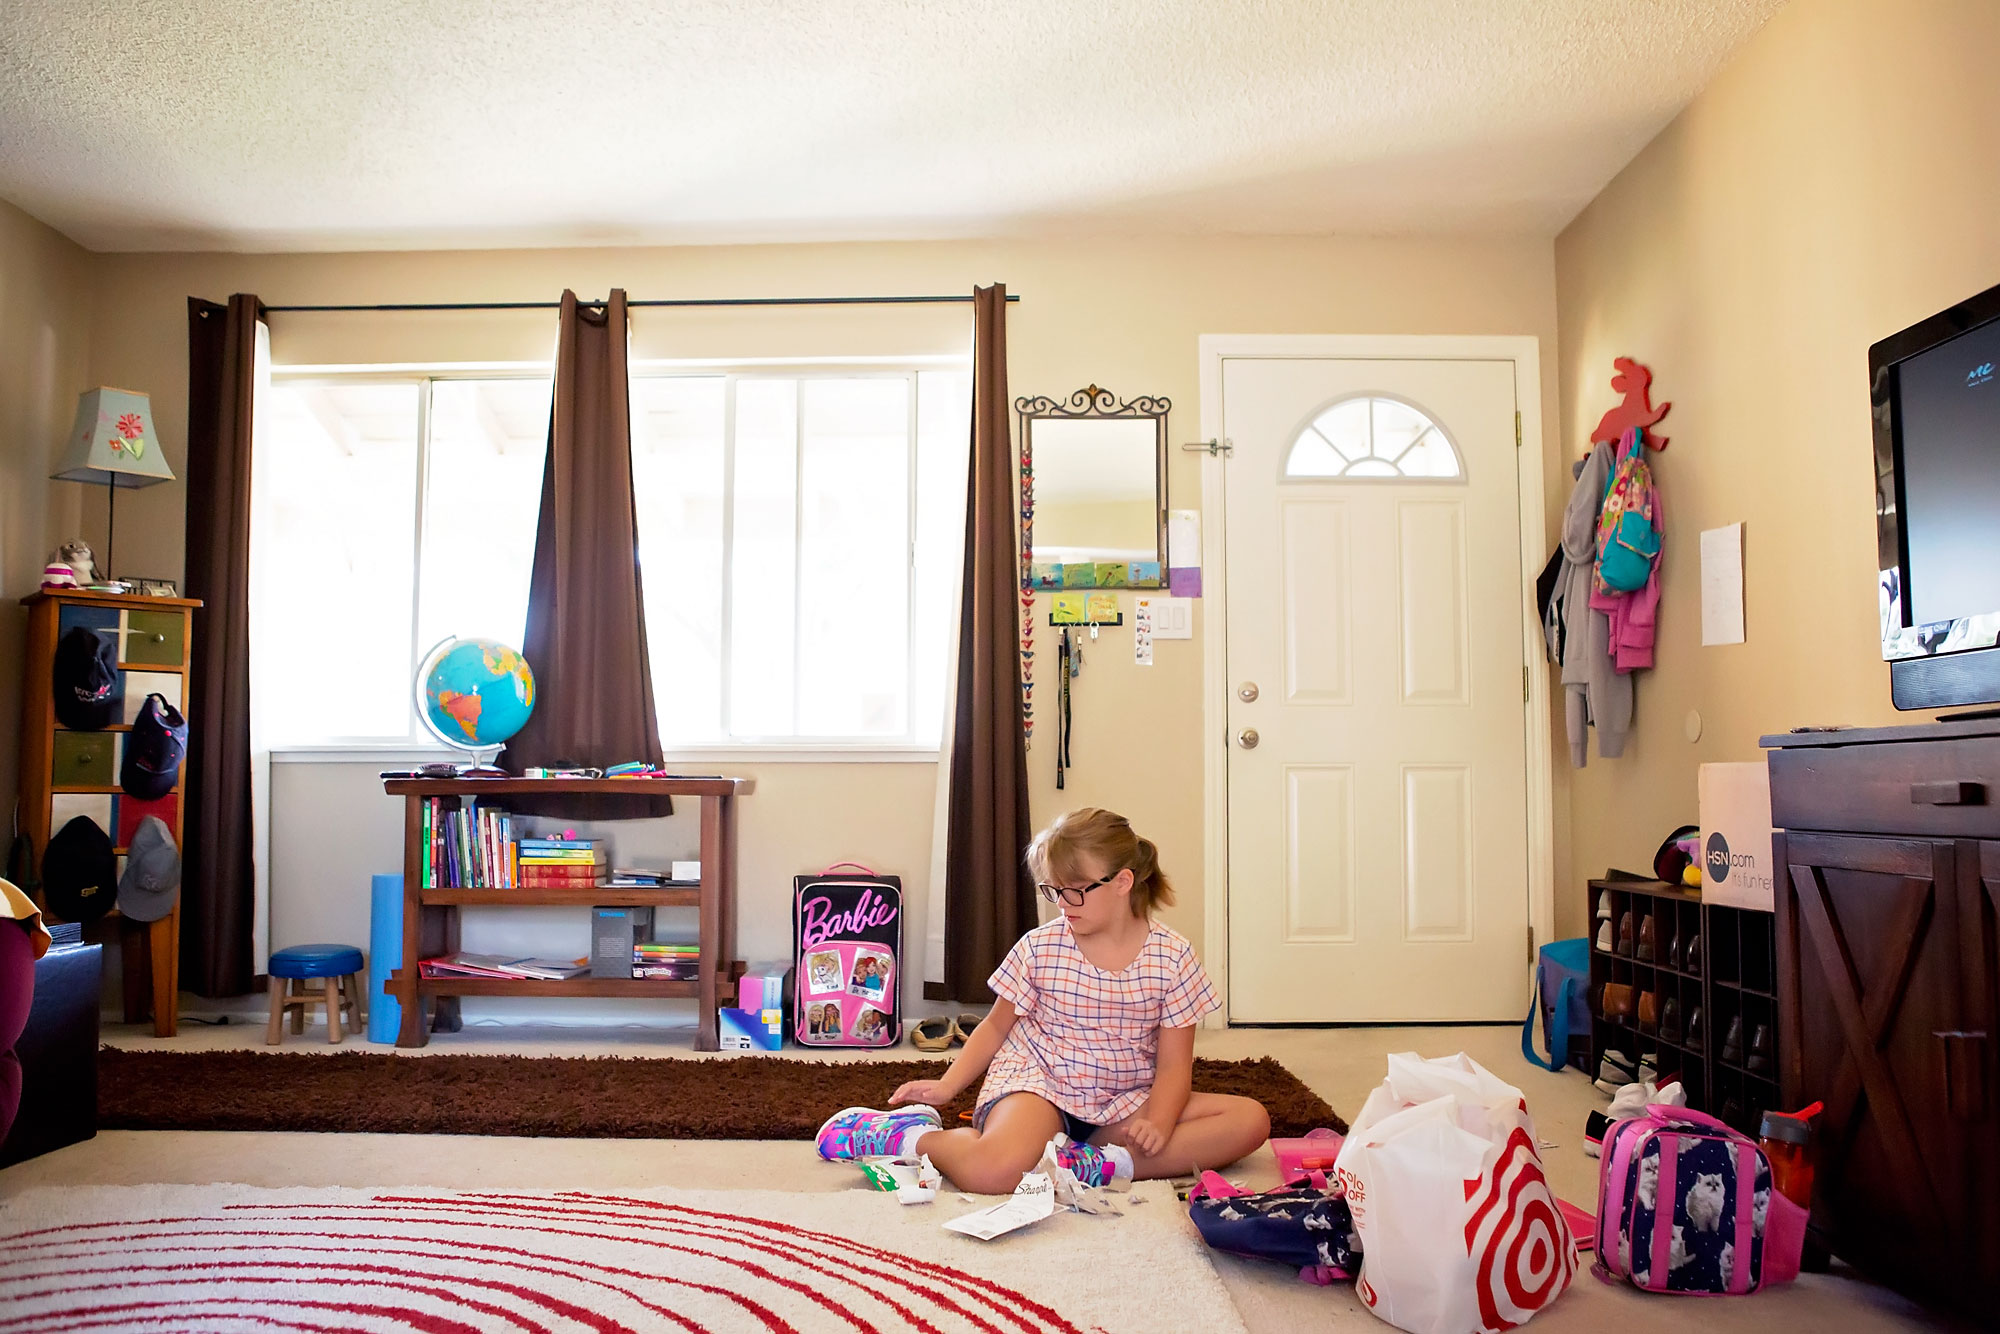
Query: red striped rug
x=230 y=1258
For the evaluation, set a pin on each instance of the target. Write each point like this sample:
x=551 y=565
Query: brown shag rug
x=743 y=1097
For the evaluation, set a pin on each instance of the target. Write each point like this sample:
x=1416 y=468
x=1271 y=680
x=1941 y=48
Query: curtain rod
x=691 y=301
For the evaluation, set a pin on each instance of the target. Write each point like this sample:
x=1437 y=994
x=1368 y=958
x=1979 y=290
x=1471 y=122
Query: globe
x=473 y=694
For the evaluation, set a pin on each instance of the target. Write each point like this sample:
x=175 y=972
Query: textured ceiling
x=341 y=124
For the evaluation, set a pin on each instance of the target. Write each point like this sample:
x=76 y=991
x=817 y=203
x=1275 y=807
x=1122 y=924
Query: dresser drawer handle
x=1948 y=794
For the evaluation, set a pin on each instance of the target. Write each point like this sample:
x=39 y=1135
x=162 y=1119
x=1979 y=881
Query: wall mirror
x=1093 y=490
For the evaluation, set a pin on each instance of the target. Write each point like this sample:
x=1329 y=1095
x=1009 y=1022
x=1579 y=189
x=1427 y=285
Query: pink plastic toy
x=1314 y=1152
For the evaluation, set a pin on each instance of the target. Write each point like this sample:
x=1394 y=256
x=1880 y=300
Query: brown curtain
x=586 y=636
x=218 y=895
x=989 y=897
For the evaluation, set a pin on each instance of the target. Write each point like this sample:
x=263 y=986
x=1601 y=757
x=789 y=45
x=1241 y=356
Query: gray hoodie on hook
x=1594 y=691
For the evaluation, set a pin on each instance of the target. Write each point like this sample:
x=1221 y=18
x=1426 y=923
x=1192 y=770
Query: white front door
x=1378 y=851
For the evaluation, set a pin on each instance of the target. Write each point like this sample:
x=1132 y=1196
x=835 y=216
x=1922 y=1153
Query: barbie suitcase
x=847 y=955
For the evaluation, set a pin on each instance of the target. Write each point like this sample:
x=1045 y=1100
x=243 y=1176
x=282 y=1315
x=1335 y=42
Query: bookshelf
x=430 y=916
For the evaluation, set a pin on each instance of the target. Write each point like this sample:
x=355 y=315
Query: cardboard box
x=751 y=1030
x=1737 y=870
x=613 y=933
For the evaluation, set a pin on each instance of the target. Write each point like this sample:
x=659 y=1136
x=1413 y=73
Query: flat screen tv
x=1936 y=392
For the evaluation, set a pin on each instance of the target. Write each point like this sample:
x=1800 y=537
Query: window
x=1373 y=437
x=798 y=536
x=390 y=513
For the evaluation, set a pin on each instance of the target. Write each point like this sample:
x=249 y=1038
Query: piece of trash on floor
x=913 y=1180
x=1547 y=1144
x=1032 y=1201
x=969 y=1199
x=1135 y=1198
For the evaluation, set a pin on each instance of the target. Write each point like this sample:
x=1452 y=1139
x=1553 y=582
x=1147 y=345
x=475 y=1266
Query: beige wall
x=1123 y=314
x=1834 y=184
x=44 y=365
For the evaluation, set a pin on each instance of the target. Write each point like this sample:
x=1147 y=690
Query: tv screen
x=1950 y=427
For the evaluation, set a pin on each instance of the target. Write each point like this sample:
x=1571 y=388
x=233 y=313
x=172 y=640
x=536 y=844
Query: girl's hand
x=935 y=1092
x=1143 y=1135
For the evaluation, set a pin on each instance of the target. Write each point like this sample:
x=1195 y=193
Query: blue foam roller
x=385 y=956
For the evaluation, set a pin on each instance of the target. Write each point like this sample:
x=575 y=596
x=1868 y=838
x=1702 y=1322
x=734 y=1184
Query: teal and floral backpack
x=1628 y=529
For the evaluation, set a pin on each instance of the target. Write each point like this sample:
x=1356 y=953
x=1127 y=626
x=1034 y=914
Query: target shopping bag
x=1459 y=1230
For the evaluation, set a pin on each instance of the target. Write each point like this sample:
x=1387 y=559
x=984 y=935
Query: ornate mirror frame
x=1092 y=402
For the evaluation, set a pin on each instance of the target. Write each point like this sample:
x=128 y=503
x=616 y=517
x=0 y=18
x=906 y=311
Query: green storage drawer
x=85 y=759
x=153 y=638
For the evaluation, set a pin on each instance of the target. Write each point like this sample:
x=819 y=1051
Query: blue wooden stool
x=337 y=968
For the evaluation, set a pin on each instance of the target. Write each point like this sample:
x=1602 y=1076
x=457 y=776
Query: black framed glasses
x=1072 y=896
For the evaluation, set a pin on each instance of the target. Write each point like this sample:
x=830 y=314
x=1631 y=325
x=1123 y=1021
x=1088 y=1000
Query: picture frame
x=154 y=588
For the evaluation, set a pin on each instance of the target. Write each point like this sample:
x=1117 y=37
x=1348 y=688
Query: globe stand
x=483 y=765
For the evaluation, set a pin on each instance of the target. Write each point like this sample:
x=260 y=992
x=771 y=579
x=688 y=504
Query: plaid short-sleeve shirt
x=1087 y=1039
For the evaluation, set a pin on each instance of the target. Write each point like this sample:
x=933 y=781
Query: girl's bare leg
x=989 y=1160
x=1215 y=1130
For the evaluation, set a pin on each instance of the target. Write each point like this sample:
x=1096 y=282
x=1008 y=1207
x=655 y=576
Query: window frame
x=418 y=746
x=1347 y=477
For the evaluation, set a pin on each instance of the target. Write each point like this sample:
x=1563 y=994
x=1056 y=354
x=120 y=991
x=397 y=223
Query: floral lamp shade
x=113 y=441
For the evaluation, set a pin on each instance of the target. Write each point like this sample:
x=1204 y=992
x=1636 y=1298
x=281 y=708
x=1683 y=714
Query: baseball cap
x=152 y=880
x=86 y=680
x=153 y=750
x=80 y=872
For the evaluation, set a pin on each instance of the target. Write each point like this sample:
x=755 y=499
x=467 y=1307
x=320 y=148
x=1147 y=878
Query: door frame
x=1524 y=351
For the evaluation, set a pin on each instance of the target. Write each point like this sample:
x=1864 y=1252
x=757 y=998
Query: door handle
x=1948 y=794
x=1247 y=692
x=1247 y=738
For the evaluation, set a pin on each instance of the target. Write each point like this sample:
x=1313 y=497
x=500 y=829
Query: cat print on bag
x=1760 y=1208
x=1704 y=1202
x=1678 y=1255
x=1728 y=1261
x=1649 y=1182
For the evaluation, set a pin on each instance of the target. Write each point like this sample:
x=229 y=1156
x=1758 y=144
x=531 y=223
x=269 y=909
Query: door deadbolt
x=1247 y=738
x=1247 y=692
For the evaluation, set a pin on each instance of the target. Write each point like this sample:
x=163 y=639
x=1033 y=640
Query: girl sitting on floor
x=1090 y=1042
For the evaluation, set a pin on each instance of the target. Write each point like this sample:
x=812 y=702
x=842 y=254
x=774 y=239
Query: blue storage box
x=752 y=1030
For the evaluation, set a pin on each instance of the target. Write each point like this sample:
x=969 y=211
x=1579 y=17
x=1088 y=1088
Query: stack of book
x=560 y=863
x=659 y=958
x=468 y=846
x=503 y=966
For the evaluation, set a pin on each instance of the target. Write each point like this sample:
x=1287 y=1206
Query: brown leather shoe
x=1648 y=938
x=1625 y=933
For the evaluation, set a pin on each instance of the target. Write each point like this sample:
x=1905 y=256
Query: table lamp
x=113 y=442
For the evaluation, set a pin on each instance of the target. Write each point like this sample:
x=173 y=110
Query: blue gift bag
x=1562 y=994
x=385 y=955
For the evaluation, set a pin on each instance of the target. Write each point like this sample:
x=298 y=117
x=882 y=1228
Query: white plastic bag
x=1459 y=1230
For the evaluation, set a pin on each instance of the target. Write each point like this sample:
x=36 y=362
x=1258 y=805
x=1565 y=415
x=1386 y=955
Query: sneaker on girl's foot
x=862 y=1132
x=1092 y=1164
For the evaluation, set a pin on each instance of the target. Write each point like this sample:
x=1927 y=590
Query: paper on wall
x=1142 y=631
x=1722 y=585
x=1032 y=1201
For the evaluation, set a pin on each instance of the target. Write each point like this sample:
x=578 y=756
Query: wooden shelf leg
x=707 y=1034
x=165 y=940
x=403 y=984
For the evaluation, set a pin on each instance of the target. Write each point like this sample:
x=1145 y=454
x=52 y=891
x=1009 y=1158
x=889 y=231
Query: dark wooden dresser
x=1888 y=984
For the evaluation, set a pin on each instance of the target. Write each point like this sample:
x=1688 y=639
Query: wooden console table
x=430 y=916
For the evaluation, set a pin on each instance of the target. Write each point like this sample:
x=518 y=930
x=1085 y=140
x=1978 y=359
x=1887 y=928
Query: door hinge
x=1517 y=430
x=1531 y=942
x=1525 y=694
x=1212 y=448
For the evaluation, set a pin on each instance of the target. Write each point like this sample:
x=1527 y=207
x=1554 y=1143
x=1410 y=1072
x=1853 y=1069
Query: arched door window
x=1372 y=437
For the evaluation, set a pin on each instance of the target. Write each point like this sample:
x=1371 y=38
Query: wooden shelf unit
x=430 y=916
x=1738 y=970
x=155 y=644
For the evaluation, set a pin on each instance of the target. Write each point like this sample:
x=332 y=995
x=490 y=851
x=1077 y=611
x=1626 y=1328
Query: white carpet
x=228 y=1258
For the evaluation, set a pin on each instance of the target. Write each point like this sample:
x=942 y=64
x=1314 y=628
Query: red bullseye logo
x=1517 y=1235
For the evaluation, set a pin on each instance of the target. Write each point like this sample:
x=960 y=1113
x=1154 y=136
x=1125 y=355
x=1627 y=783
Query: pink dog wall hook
x=1635 y=408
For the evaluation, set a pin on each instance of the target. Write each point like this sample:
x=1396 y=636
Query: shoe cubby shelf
x=1689 y=988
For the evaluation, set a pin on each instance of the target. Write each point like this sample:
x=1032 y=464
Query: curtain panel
x=989 y=896
x=586 y=635
x=218 y=867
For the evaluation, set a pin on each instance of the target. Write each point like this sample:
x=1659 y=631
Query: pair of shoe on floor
x=863 y=1132
x=942 y=1033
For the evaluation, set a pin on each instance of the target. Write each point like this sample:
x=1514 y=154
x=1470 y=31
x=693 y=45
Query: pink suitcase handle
x=853 y=866
x=1667 y=1112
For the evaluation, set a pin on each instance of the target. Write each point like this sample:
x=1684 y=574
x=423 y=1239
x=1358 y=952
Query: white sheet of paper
x=1183 y=539
x=1142 y=631
x=1722 y=585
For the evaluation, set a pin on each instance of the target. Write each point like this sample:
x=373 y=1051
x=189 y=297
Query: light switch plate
x=1173 y=618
